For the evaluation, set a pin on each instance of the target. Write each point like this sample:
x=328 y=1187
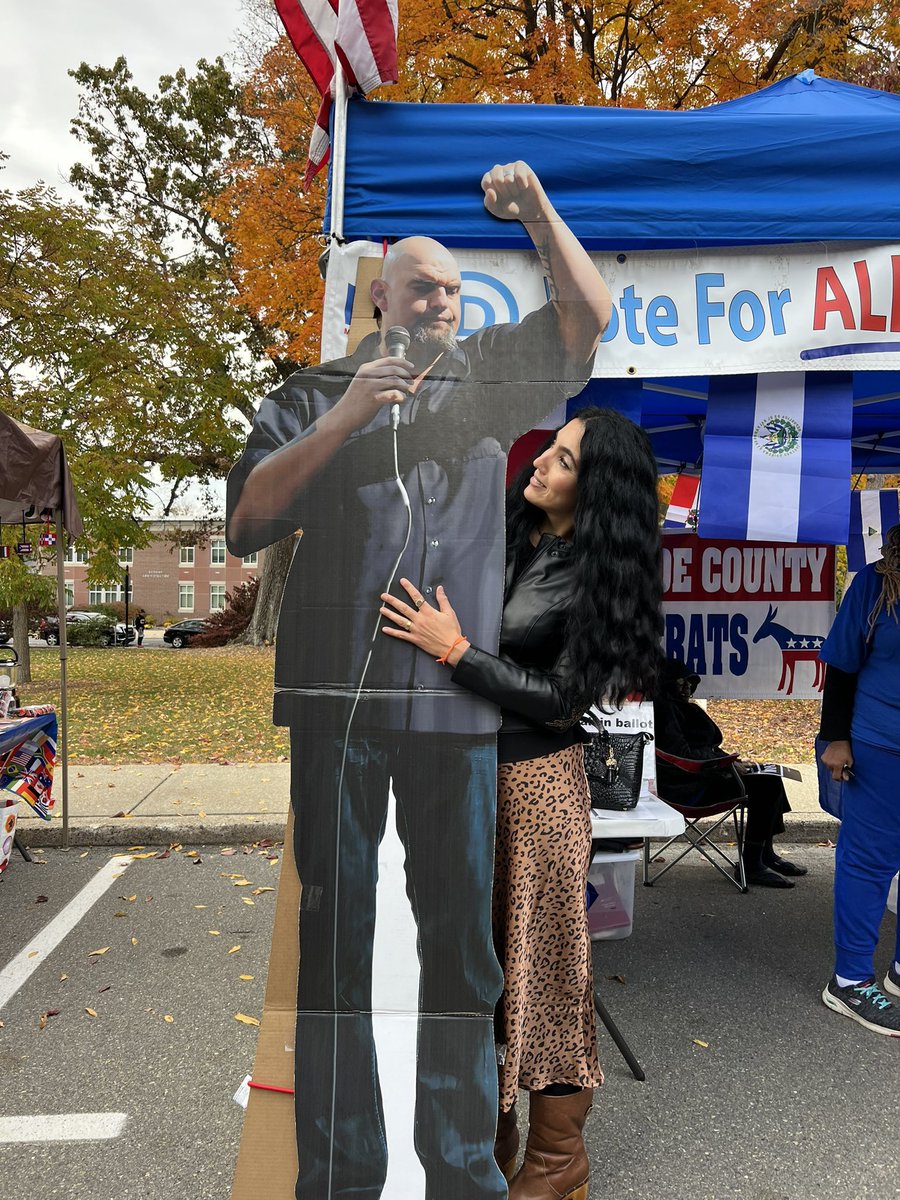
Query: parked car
x=183 y=632
x=5 y=632
x=48 y=628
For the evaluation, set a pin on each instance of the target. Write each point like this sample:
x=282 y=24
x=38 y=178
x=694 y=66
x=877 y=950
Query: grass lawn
x=129 y=705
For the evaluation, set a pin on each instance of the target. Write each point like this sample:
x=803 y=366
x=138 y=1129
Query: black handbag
x=613 y=763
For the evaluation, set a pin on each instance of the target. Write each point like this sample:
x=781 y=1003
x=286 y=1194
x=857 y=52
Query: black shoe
x=865 y=1003
x=892 y=981
x=761 y=876
x=782 y=865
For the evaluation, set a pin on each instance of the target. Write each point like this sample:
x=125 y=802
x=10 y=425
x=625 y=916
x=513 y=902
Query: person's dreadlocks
x=889 y=567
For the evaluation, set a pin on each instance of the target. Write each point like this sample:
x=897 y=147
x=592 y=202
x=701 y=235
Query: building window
x=250 y=560
x=217 y=552
x=75 y=555
x=108 y=595
x=186 y=592
x=186 y=556
x=216 y=597
x=126 y=556
x=70 y=593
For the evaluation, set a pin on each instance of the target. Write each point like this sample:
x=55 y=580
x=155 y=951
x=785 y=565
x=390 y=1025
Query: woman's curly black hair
x=615 y=620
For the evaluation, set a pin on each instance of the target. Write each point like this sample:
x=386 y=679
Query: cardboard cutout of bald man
x=422 y=503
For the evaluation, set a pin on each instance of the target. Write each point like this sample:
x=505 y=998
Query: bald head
x=411 y=252
x=419 y=288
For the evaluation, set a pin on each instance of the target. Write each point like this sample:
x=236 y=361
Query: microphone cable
x=398 y=340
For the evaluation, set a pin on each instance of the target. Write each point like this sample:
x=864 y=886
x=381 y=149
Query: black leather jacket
x=529 y=678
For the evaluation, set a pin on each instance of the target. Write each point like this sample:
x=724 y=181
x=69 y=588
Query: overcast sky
x=40 y=40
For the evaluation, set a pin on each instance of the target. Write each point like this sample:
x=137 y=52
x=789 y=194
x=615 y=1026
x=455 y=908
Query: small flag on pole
x=776 y=457
x=872 y=514
x=361 y=33
x=682 y=510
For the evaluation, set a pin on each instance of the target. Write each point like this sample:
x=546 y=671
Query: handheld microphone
x=397 y=340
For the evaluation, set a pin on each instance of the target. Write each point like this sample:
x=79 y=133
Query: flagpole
x=338 y=152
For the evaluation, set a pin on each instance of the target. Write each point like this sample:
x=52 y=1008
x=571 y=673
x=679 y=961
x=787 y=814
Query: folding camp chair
x=729 y=803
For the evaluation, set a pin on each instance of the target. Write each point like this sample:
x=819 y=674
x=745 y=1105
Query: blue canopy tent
x=807 y=160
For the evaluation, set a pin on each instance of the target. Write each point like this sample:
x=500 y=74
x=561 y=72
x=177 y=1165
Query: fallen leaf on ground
x=243 y=883
x=119 y=914
x=826 y=845
x=697 y=1042
x=234 y=949
x=102 y=950
x=146 y=854
x=130 y=848
x=63 y=978
x=33 y=953
x=168 y=1018
x=246 y=978
x=616 y=978
x=247 y=900
x=164 y=854
x=86 y=853
x=245 y=1020
x=227 y=851
x=201 y=906
x=134 y=941
x=128 y=898
x=42 y=899
x=214 y=932
x=105 y=988
x=259 y=891
x=90 y=1012
x=123 y=814
x=42 y=1022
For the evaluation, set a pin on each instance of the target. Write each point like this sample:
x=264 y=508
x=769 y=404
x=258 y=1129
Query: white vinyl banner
x=748 y=617
x=710 y=312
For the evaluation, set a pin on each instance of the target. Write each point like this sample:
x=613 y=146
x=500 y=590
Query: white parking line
x=64 y=1127
x=27 y=961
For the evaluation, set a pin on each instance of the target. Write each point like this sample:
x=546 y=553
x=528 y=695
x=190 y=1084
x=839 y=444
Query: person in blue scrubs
x=861 y=723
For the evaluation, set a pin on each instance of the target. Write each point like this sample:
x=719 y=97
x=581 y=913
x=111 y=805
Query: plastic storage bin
x=610 y=894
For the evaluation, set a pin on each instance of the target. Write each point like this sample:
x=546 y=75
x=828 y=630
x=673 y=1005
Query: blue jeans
x=445 y=788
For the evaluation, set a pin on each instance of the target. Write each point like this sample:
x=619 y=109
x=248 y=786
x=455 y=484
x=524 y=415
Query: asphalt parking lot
x=754 y=1090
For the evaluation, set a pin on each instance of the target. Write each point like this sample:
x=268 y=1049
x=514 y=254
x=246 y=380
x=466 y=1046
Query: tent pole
x=63 y=714
x=338 y=152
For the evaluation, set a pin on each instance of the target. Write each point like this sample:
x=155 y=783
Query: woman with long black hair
x=581 y=625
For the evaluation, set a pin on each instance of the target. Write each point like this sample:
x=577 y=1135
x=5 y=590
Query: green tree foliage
x=128 y=356
x=158 y=162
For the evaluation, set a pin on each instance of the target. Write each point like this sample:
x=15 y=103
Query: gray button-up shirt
x=452 y=445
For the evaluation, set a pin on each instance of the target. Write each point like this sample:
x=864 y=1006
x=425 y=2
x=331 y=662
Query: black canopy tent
x=35 y=480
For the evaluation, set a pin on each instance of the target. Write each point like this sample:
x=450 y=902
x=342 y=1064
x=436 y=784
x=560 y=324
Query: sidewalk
x=206 y=804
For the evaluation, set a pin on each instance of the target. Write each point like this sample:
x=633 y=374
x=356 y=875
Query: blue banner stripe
x=825 y=450
x=890 y=509
x=856 y=548
x=727 y=453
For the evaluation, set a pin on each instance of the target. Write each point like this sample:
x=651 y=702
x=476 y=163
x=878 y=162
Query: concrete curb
x=223 y=831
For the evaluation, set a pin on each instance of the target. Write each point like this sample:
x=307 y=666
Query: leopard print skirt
x=545 y=1019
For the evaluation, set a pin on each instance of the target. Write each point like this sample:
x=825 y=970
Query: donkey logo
x=794 y=648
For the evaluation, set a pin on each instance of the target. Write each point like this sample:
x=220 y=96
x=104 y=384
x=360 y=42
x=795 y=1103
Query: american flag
x=682 y=510
x=362 y=34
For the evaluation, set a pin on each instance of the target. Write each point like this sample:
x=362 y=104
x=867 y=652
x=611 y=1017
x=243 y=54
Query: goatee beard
x=434 y=341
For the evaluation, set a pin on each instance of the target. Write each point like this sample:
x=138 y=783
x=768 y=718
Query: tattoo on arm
x=543 y=251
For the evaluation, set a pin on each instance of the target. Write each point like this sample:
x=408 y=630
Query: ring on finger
x=418 y=602
x=408 y=625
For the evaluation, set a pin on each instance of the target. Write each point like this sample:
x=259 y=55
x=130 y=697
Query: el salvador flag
x=872 y=514
x=776 y=457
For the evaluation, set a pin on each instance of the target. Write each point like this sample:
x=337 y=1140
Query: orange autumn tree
x=650 y=53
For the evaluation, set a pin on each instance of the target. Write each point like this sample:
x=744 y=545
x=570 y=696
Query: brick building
x=169 y=579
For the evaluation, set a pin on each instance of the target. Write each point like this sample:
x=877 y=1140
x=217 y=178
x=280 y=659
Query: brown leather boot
x=506 y=1143
x=555 y=1166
